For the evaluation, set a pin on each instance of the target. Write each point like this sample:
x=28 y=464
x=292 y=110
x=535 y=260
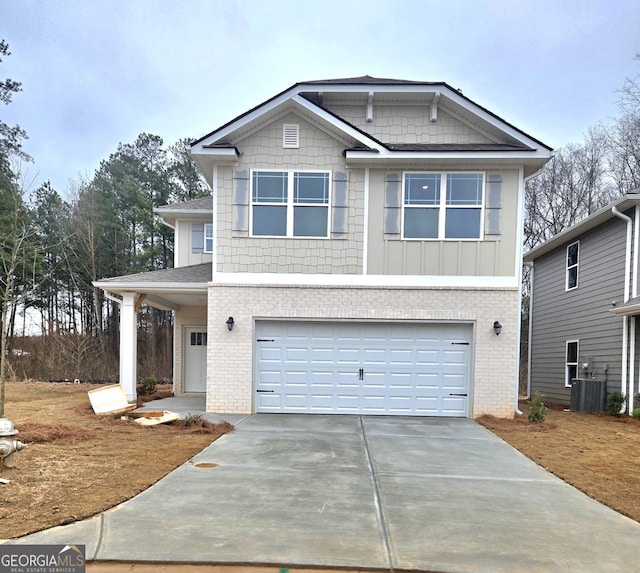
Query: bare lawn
x=78 y=464
x=596 y=453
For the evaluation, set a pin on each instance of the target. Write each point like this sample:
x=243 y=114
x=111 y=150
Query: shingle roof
x=203 y=204
x=456 y=147
x=369 y=80
x=194 y=274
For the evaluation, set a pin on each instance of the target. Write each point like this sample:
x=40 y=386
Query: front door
x=195 y=359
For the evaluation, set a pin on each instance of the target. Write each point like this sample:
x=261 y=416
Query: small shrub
x=194 y=420
x=615 y=403
x=537 y=410
x=636 y=414
x=147 y=386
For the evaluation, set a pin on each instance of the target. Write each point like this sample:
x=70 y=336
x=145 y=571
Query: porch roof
x=167 y=289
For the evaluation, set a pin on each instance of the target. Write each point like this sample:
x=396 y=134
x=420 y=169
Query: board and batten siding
x=579 y=314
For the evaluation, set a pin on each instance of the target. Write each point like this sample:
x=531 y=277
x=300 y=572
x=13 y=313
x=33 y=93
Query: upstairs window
x=573 y=257
x=201 y=237
x=290 y=204
x=208 y=238
x=571 y=364
x=430 y=213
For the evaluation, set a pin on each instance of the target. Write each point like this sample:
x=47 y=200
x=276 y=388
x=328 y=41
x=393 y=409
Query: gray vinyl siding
x=580 y=314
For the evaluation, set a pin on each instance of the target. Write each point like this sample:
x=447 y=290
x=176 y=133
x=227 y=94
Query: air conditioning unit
x=588 y=395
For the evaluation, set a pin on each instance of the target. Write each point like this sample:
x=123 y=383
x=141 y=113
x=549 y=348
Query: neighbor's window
x=571 y=363
x=430 y=213
x=290 y=204
x=208 y=238
x=573 y=255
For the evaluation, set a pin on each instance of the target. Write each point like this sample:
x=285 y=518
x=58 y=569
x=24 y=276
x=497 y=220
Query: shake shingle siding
x=580 y=314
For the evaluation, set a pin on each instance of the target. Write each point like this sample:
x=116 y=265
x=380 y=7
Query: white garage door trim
x=359 y=367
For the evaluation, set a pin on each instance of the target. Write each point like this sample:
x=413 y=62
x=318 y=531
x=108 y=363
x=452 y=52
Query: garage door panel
x=368 y=368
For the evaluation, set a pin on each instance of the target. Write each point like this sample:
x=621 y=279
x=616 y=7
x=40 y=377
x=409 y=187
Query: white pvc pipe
x=625 y=337
x=632 y=363
x=627 y=257
x=531 y=275
x=627 y=280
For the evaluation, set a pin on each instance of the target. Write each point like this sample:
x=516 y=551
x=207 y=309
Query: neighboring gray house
x=584 y=303
x=364 y=236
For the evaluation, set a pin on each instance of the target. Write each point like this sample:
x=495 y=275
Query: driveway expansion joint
x=384 y=530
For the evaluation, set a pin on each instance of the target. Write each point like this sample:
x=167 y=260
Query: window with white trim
x=208 y=238
x=443 y=206
x=571 y=362
x=290 y=203
x=573 y=257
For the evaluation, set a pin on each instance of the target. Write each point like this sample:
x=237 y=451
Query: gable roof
x=305 y=98
x=364 y=85
x=594 y=220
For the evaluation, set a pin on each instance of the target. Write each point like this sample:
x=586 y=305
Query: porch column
x=128 y=344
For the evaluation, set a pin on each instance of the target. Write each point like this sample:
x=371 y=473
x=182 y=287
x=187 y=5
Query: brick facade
x=231 y=354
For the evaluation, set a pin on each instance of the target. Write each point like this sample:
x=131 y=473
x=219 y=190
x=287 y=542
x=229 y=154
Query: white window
x=290 y=204
x=208 y=238
x=571 y=362
x=290 y=136
x=573 y=256
x=430 y=213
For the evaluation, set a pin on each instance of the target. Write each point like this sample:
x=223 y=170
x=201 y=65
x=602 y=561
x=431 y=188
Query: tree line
x=53 y=246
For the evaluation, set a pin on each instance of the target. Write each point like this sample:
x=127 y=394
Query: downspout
x=108 y=295
x=520 y=233
x=531 y=275
x=632 y=362
x=636 y=246
x=627 y=279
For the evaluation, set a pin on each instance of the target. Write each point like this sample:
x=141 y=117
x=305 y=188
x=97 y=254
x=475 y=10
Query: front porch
x=182 y=290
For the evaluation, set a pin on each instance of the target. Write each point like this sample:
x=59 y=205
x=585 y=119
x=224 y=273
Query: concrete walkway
x=383 y=493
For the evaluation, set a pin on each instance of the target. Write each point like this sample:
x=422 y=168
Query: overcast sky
x=96 y=73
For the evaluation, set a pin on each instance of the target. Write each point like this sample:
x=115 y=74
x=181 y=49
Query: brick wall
x=230 y=354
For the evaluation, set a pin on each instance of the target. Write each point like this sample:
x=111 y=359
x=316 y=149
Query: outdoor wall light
x=497 y=327
x=230 y=323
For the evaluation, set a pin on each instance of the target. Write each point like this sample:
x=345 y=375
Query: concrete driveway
x=383 y=493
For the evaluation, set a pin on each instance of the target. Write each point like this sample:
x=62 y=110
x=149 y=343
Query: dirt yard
x=77 y=464
x=596 y=453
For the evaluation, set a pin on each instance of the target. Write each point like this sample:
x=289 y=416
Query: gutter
x=519 y=262
x=627 y=279
x=531 y=279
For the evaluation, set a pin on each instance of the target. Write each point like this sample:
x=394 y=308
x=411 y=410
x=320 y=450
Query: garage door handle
x=265 y=390
x=461 y=343
x=457 y=394
x=265 y=340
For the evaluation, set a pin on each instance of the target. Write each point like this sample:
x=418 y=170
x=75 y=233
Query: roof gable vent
x=290 y=135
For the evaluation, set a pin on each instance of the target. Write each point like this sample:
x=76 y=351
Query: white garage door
x=363 y=368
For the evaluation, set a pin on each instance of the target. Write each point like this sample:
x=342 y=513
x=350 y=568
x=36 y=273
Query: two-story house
x=584 y=303
x=365 y=242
